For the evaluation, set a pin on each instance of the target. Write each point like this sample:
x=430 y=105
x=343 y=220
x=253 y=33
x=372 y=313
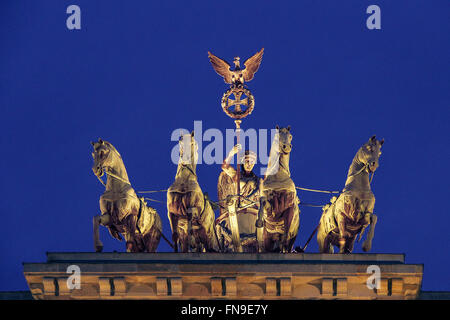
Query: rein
x=252 y=202
x=101 y=181
x=366 y=166
x=112 y=175
x=117 y=177
x=338 y=192
x=187 y=167
x=283 y=167
x=314 y=190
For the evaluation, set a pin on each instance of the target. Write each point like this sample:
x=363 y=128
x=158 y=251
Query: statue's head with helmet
x=247 y=161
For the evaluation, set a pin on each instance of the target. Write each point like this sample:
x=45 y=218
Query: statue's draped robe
x=246 y=218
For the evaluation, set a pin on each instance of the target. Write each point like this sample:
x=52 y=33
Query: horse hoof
x=99 y=248
x=130 y=246
x=298 y=250
x=366 y=248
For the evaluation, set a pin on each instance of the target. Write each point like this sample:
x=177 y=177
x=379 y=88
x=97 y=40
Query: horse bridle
x=106 y=170
x=366 y=166
x=281 y=164
x=187 y=167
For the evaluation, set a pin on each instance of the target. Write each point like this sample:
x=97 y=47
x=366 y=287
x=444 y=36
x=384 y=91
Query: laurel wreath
x=234 y=114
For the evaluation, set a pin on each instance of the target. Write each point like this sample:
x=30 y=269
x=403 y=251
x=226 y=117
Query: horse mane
x=274 y=156
x=112 y=148
x=193 y=160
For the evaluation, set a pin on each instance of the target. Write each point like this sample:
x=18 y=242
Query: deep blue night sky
x=137 y=70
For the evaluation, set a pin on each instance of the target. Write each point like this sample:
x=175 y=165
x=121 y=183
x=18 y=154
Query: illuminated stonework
x=223 y=276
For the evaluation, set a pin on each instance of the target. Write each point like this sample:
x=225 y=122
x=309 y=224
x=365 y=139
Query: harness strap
x=315 y=190
x=286 y=169
x=361 y=170
x=187 y=167
x=152 y=191
x=101 y=181
x=117 y=177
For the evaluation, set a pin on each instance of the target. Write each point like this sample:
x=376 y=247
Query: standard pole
x=238 y=166
x=233 y=210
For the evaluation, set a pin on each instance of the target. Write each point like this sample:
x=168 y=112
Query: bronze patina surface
x=352 y=212
x=190 y=213
x=279 y=205
x=236 y=226
x=122 y=212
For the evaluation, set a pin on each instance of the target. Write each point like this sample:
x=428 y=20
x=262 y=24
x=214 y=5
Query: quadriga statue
x=352 y=212
x=122 y=212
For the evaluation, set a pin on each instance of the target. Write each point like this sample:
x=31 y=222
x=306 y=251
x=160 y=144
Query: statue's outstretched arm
x=226 y=167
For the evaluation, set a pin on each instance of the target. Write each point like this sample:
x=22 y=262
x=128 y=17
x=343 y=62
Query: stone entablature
x=223 y=276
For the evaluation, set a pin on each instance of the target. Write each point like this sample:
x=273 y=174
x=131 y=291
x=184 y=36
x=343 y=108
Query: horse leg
x=98 y=245
x=191 y=213
x=152 y=239
x=329 y=244
x=175 y=236
x=290 y=244
x=367 y=244
x=211 y=240
x=324 y=242
x=340 y=219
x=283 y=242
x=323 y=238
x=321 y=235
x=131 y=243
x=278 y=242
x=156 y=238
x=175 y=241
x=202 y=240
x=130 y=246
x=180 y=235
x=134 y=241
x=268 y=243
x=189 y=235
x=197 y=239
x=288 y=216
x=349 y=244
x=184 y=242
x=97 y=220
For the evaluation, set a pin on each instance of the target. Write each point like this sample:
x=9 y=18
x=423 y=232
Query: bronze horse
x=279 y=202
x=352 y=212
x=189 y=210
x=122 y=212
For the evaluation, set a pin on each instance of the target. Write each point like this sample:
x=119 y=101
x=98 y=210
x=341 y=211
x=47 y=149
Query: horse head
x=284 y=140
x=369 y=154
x=280 y=152
x=188 y=148
x=103 y=156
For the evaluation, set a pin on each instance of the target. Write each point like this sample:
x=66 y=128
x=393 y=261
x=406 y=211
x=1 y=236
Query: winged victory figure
x=237 y=76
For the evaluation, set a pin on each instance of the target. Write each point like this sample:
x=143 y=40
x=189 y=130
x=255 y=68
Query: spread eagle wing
x=252 y=65
x=221 y=67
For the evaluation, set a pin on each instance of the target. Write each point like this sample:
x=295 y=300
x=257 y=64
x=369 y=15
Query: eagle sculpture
x=237 y=76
